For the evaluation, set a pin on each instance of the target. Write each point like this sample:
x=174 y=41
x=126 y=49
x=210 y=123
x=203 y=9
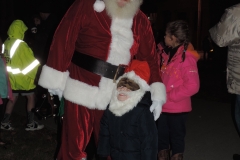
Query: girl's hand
x=161 y=46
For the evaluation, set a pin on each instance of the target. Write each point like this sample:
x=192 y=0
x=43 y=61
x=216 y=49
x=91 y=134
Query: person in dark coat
x=207 y=48
x=128 y=130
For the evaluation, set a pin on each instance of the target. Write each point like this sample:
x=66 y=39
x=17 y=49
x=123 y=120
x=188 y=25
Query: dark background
x=212 y=74
x=164 y=11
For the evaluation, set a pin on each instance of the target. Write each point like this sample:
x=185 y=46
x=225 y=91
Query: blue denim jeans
x=237 y=112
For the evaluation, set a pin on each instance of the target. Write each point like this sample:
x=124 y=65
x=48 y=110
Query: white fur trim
x=119 y=53
x=99 y=6
x=158 y=92
x=104 y=94
x=122 y=40
x=99 y=97
x=52 y=79
x=89 y=96
x=142 y=83
x=119 y=108
x=80 y=93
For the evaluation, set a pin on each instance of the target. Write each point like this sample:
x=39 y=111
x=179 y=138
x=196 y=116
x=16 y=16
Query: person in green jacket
x=22 y=67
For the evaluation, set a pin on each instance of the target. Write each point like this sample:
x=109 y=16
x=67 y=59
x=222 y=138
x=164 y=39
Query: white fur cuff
x=51 y=78
x=158 y=92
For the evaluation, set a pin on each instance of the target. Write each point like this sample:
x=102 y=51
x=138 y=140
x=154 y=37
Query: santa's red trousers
x=78 y=124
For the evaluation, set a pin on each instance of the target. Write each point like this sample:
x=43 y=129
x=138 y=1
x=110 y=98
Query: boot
x=164 y=154
x=178 y=156
x=236 y=157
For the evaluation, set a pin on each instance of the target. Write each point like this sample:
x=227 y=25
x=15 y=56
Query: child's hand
x=161 y=46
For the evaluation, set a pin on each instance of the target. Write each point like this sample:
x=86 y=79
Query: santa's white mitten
x=156 y=109
x=57 y=92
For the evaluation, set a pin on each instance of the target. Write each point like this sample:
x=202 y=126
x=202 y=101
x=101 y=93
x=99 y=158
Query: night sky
x=23 y=9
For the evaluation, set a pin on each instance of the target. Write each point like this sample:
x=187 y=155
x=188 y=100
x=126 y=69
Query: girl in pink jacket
x=179 y=74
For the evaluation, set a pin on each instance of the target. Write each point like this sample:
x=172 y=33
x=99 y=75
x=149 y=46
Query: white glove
x=156 y=109
x=58 y=92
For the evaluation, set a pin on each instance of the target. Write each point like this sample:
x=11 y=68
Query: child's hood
x=17 y=29
x=193 y=52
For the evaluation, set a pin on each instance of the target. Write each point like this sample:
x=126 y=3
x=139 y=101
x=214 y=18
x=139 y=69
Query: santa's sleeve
x=54 y=74
x=147 y=52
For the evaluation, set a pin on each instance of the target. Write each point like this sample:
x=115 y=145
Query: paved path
x=211 y=134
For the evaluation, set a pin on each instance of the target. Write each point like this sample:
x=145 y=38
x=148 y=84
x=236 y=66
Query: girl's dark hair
x=180 y=30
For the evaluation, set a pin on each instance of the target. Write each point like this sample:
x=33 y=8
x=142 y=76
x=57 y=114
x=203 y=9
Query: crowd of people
x=101 y=60
x=22 y=55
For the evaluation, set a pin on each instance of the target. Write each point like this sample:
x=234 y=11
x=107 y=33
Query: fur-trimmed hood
x=138 y=97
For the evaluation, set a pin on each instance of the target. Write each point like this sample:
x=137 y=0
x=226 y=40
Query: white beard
x=128 y=11
x=119 y=108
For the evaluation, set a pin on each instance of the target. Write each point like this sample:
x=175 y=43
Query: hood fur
x=119 y=108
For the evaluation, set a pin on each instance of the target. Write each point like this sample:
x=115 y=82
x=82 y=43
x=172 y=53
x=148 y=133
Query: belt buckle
x=117 y=71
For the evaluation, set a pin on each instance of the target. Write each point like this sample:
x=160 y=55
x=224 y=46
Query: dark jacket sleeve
x=148 y=136
x=103 y=149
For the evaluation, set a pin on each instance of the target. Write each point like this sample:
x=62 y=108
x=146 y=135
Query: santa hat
x=99 y=6
x=139 y=72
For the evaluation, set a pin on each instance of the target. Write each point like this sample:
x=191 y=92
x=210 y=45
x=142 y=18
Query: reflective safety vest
x=31 y=66
x=3 y=46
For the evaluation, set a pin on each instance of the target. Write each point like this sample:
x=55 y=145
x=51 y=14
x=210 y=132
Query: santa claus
x=91 y=46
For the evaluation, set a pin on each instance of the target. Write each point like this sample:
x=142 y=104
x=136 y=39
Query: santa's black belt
x=98 y=66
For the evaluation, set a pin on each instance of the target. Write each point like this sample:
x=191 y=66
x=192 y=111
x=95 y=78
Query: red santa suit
x=111 y=39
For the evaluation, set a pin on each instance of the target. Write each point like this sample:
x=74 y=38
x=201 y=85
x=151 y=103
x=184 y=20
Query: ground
x=41 y=145
x=27 y=145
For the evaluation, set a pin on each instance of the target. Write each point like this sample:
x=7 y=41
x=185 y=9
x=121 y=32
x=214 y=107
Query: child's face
x=123 y=93
x=37 y=21
x=170 y=40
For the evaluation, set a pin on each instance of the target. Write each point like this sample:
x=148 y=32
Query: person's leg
x=163 y=137
x=177 y=133
x=2 y=110
x=237 y=119
x=5 y=123
x=32 y=125
x=96 y=128
x=30 y=106
x=237 y=112
x=9 y=108
x=76 y=131
x=205 y=55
